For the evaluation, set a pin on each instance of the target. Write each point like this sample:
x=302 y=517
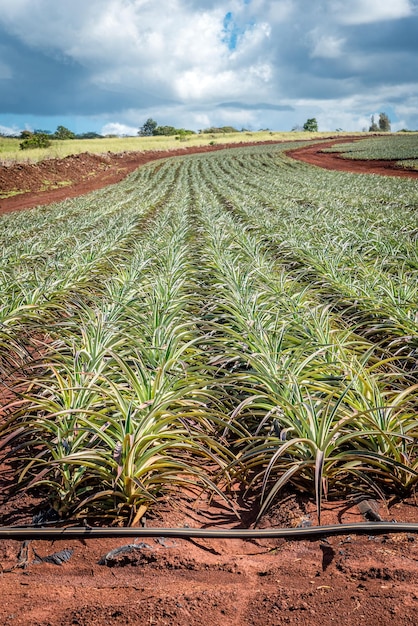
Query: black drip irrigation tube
x=83 y=532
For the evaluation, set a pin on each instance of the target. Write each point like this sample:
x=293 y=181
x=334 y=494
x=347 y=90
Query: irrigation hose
x=83 y=532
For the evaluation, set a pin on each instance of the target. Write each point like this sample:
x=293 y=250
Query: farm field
x=10 y=151
x=402 y=148
x=235 y=323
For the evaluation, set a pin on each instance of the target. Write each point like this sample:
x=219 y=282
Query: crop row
x=234 y=317
x=400 y=148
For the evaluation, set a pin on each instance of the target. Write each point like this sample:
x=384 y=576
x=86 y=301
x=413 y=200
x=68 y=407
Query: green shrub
x=38 y=140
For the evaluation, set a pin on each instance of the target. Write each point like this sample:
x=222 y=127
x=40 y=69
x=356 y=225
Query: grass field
x=10 y=151
x=229 y=317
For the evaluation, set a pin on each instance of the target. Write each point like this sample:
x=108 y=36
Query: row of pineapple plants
x=319 y=408
x=196 y=333
x=120 y=410
x=366 y=258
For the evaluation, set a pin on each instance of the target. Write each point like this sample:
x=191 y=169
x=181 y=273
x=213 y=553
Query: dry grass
x=10 y=151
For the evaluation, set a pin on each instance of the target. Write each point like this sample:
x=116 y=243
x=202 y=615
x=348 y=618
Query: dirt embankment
x=53 y=180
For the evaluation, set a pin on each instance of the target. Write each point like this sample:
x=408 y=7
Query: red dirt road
x=333 y=161
x=78 y=174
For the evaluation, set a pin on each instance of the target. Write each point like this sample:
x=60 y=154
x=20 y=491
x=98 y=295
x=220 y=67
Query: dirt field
x=347 y=580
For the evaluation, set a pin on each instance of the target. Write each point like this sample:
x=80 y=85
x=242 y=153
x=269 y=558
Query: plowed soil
x=347 y=580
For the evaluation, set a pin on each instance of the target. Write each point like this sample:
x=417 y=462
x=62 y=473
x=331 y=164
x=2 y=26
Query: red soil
x=80 y=174
x=334 y=161
x=354 y=581
x=53 y=180
x=351 y=580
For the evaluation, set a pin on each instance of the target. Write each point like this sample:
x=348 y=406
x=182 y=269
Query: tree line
x=43 y=138
x=151 y=129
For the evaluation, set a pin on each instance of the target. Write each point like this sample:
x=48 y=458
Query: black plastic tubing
x=82 y=532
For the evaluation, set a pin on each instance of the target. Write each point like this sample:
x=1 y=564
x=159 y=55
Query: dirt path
x=53 y=180
x=333 y=161
x=351 y=580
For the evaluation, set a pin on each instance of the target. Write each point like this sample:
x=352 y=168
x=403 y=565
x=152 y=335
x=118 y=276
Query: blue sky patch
x=230 y=31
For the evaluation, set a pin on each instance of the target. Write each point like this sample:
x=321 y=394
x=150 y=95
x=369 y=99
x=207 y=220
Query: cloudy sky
x=108 y=65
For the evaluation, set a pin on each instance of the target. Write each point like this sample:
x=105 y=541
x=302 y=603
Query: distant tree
x=89 y=135
x=151 y=128
x=215 y=130
x=147 y=130
x=185 y=131
x=373 y=128
x=230 y=129
x=39 y=131
x=297 y=128
x=167 y=131
x=63 y=133
x=311 y=125
x=384 y=123
x=38 y=140
x=26 y=134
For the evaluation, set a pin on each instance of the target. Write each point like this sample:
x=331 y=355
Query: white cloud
x=116 y=128
x=281 y=11
x=327 y=46
x=407 y=108
x=9 y=130
x=368 y=11
x=5 y=71
x=173 y=52
x=275 y=12
x=239 y=119
x=353 y=113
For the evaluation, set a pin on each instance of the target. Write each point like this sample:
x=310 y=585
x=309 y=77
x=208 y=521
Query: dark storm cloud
x=42 y=83
x=365 y=56
x=38 y=84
